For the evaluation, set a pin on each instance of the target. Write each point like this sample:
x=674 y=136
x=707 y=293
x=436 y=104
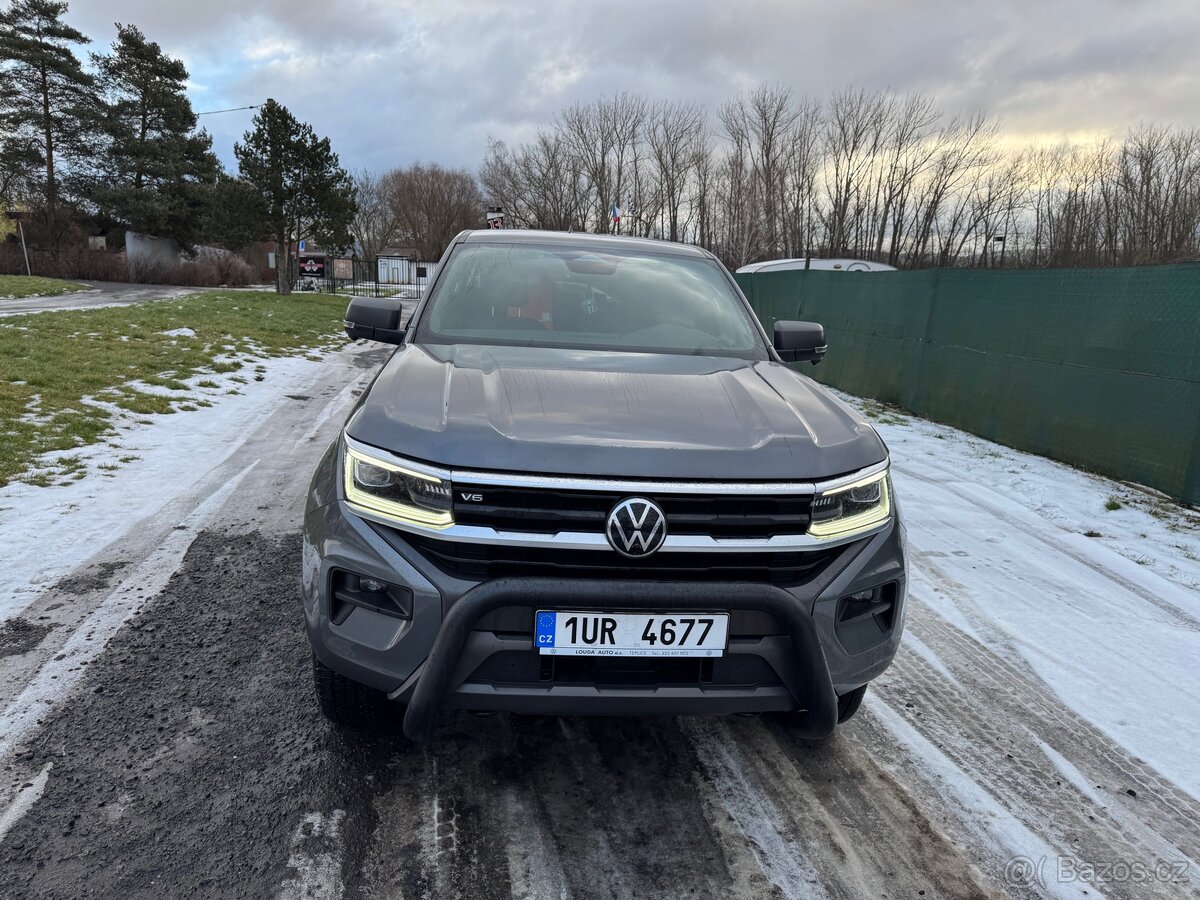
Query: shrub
x=204 y=271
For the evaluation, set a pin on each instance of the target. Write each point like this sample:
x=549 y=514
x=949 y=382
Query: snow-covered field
x=1024 y=555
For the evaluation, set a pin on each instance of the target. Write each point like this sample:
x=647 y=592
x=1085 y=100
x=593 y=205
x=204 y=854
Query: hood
x=599 y=413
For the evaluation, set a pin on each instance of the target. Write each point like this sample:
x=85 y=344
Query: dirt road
x=158 y=737
x=102 y=293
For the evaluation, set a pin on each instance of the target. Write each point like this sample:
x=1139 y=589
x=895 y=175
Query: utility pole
x=24 y=249
x=18 y=216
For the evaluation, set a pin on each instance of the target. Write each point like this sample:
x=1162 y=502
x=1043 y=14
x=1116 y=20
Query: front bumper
x=805 y=674
x=442 y=658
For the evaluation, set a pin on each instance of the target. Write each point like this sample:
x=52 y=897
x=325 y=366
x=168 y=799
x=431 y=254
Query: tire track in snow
x=55 y=678
x=779 y=855
x=991 y=821
x=866 y=833
x=992 y=722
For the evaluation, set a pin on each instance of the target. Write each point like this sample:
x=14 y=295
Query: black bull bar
x=808 y=682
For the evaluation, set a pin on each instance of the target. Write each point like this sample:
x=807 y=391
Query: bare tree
x=762 y=124
x=539 y=185
x=864 y=173
x=675 y=137
x=433 y=204
x=376 y=223
x=804 y=161
x=857 y=129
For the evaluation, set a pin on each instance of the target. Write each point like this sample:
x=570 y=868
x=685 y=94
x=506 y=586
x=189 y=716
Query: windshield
x=547 y=296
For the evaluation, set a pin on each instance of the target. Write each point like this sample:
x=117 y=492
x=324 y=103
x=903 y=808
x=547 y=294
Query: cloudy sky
x=392 y=81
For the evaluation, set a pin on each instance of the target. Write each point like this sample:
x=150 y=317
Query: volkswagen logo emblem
x=636 y=527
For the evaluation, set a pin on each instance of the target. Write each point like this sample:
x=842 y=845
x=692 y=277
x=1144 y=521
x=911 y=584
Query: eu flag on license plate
x=545 y=629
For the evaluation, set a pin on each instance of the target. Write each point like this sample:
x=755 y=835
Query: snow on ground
x=1022 y=554
x=1092 y=583
x=45 y=532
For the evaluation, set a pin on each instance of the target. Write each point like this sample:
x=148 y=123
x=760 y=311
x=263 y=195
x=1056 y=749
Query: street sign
x=495 y=217
x=302 y=246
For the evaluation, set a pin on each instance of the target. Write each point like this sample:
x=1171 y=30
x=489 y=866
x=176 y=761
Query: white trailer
x=836 y=265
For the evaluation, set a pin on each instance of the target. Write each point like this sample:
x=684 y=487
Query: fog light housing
x=866 y=618
x=349 y=591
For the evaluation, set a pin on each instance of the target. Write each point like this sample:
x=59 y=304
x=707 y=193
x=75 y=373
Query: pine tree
x=46 y=100
x=155 y=167
x=305 y=192
x=234 y=215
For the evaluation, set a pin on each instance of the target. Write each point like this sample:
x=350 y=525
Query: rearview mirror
x=374 y=319
x=800 y=341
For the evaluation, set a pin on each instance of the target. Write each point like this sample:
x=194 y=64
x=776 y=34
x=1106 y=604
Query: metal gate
x=387 y=276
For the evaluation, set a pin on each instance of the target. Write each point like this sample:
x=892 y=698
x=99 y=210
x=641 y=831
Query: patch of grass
x=171 y=384
x=141 y=403
x=207 y=383
x=1092 y=534
x=1112 y=503
x=128 y=459
x=14 y=287
x=67 y=359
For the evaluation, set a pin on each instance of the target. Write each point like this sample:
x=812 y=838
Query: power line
x=213 y=112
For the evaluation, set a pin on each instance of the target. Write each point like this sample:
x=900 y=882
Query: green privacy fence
x=1099 y=368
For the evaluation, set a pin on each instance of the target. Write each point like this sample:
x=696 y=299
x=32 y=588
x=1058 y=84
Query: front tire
x=346 y=702
x=848 y=704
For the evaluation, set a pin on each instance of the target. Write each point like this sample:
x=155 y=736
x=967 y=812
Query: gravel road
x=158 y=738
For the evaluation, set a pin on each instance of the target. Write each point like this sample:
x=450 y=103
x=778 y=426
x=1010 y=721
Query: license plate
x=566 y=633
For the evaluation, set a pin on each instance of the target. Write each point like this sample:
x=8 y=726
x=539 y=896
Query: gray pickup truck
x=587 y=483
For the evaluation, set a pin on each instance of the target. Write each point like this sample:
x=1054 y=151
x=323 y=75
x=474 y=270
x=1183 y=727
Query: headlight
x=853 y=508
x=395 y=492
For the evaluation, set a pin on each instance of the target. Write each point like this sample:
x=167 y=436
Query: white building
x=400 y=270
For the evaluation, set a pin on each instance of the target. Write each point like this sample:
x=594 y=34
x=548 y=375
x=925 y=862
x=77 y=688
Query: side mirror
x=374 y=319
x=800 y=341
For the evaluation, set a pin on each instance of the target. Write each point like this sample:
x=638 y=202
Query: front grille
x=544 y=511
x=478 y=562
